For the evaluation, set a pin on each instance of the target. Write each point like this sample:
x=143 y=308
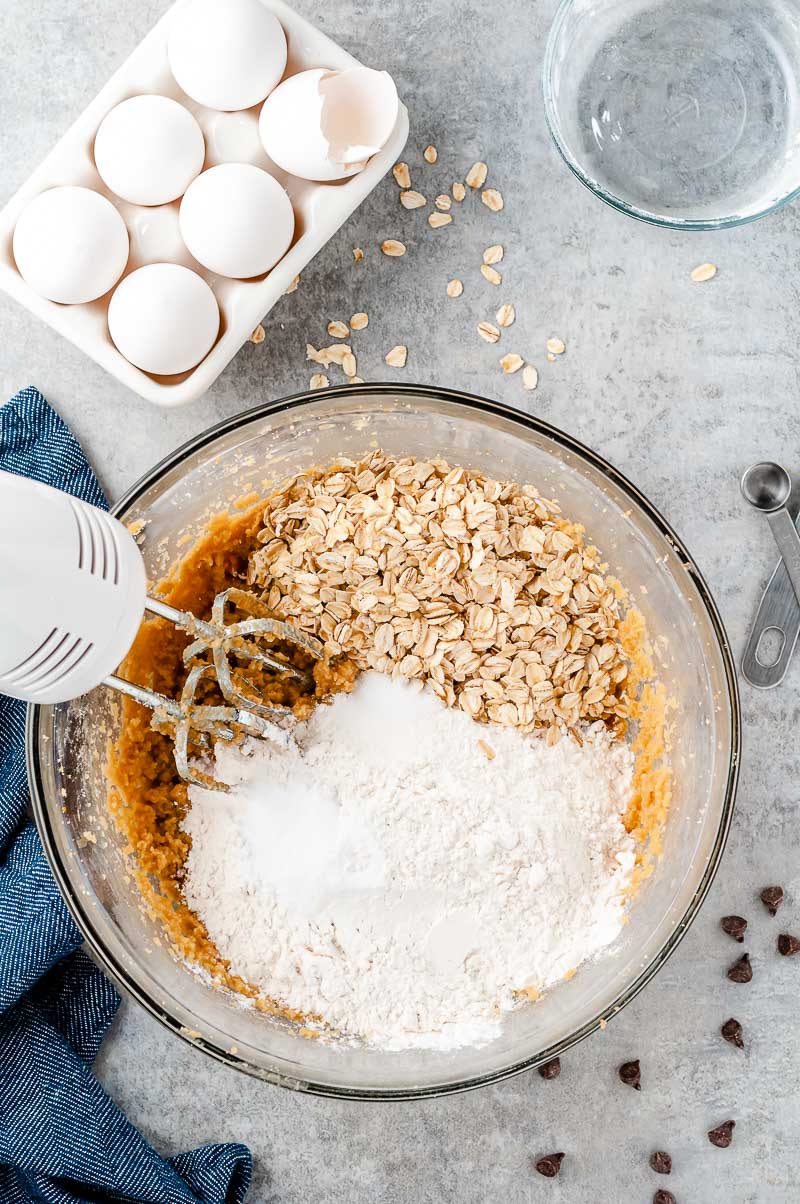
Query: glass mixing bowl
x=66 y=744
x=683 y=113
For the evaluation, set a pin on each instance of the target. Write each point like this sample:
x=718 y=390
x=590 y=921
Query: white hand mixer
x=73 y=594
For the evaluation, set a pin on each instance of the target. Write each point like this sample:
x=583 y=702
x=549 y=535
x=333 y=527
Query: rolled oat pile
x=477 y=586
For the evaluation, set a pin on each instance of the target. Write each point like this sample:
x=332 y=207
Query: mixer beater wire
x=195 y=725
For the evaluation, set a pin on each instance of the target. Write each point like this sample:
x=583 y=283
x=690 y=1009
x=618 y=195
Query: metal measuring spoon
x=767 y=487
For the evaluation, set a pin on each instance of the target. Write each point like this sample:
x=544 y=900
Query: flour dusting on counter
x=405 y=874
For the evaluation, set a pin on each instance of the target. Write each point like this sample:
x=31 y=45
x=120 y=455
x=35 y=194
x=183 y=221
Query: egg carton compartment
x=231 y=137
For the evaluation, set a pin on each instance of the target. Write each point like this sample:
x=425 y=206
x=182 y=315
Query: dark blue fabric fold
x=62 y=1138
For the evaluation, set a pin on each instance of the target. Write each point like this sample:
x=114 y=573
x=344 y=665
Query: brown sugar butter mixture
x=415 y=569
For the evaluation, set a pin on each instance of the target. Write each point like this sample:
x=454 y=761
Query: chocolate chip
x=664 y=1197
x=741 y=971
x=722 y=1136
x=732 y=1031
x=788 y=945
x=551 y=1069
x=772 y=897
x=550 y=1165
x=631 y=1074
x=735 y=926
x=661 y=1162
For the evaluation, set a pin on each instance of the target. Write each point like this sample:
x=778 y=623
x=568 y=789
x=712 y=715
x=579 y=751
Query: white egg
x=149 y=149
x=236 y=220
x=163 y=318
x=325 y=125
x=226 y=55
x=70 y=245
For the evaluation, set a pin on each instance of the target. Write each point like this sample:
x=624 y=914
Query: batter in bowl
x=497 y=617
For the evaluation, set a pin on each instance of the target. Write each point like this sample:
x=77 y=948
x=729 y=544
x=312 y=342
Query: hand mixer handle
x=72 y=592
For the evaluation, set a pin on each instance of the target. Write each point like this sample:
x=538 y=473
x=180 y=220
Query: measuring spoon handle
x=788 y=540
x=779 y=609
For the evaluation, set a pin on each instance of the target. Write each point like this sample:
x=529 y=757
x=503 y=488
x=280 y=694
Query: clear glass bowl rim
x=642 y=215
x=81 y=913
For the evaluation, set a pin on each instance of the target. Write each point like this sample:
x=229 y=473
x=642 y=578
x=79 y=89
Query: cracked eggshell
x=163 y=318
x=325 y=125
x=226 y=54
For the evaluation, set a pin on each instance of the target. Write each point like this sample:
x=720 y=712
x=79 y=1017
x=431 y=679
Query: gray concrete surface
x=679 y=385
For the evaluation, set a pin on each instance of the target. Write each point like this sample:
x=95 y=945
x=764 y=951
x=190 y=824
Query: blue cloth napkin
x=62 y=1139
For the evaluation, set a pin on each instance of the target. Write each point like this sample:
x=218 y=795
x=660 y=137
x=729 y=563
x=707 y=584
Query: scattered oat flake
x=603 y=1022
x=430 y=154
x=396 y=358
x=258 y=335
x=506 y=315
x=551 y=359
x=476 y=176
x=488 y=332
x=530 y=377
x=318 y=381
x=703 y=272
x=90 y=836
x=390 y=246
x=487 y=750
x=459 y=191
x=349 y=364
x=358 y=255
x=556 y=346
x=443 y=202
x=338 y=330
x=511 y=362
x=454 y=288
x=402 y=175
x=493 y=254
x=436 y=220
x=492 y=199
x=359 y=321
x=412 y=200
x=491 y=274
x=328 y=355
x=336 y=354
x=293 y=286
x=355 y=380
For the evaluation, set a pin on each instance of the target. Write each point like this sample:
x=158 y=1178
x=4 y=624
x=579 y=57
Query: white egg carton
x=320 y=209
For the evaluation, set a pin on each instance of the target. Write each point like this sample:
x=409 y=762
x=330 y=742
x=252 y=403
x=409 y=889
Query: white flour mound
x=387 y=876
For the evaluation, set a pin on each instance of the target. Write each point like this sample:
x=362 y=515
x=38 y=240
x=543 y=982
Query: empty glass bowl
x=684 y=113
x=67 y=745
